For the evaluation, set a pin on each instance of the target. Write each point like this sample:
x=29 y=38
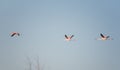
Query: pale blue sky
x=43 y=24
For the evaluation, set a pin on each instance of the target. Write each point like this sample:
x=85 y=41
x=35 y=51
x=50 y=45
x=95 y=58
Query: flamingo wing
x=71 y=36
x=66 y=37
x=102 y=35
x=108 y=37
x=18 y=34
x=13 y=34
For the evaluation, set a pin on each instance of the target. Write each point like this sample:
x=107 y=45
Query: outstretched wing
x=66 y=37
x=108 y=37
x=13 y=34
x=71 y=36
x=18 y=34
x=102 y=35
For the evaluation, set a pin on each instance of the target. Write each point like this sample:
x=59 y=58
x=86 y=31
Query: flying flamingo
x=68 y=38
x=15 y=33
x=103 y=37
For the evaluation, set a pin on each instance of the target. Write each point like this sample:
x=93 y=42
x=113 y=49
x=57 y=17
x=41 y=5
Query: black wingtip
x=101 y=35
x=66 y=36
x=12 y=35
x=72 y=36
